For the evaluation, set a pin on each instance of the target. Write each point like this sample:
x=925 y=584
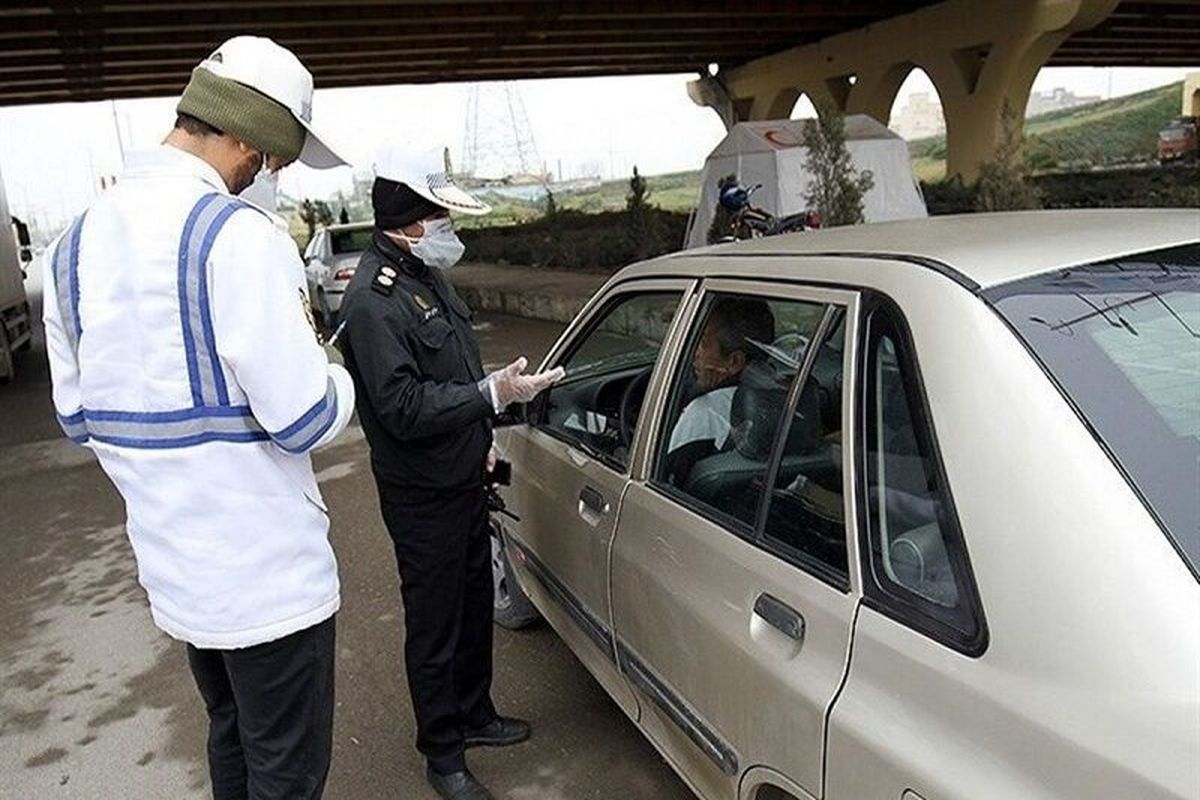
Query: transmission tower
x=498 y=143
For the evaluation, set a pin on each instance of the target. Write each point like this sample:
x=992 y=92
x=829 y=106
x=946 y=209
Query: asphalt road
x=96 y=703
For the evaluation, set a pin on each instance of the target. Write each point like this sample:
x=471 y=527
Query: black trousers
x=270 y=711
x=443 y=550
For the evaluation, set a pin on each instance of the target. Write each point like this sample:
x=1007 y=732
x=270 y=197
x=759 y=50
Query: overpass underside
x=852 y=54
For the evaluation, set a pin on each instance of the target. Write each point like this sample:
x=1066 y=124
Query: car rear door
x=733 y=605
x=571 y=465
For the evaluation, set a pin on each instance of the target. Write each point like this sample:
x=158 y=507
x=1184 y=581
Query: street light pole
x=117 y=127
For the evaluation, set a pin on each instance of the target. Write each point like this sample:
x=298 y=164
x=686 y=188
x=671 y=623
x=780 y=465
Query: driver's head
x=727 y=342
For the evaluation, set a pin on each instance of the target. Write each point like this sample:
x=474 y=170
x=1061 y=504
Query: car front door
x=571 y=466
x=733 y=600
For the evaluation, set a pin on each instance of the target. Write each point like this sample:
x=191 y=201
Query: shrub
x=722 y=221
x=1003 y=183
x=575 y=240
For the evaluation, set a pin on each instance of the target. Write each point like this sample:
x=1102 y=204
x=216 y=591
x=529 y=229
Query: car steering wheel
x=627 y=413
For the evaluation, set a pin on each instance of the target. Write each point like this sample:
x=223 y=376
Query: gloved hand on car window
x=510 y=385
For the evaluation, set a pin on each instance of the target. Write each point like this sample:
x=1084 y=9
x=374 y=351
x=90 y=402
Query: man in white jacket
x=181 y=353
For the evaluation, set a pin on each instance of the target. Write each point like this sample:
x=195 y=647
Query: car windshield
x=1122 y=339
x=352 y=240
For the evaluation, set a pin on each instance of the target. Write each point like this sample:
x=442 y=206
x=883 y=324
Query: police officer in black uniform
x=426 y=407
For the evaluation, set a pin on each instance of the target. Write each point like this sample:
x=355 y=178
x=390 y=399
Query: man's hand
x=511 y=385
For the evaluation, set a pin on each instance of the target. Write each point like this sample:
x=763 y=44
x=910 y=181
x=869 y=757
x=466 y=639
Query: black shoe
x=500 y=732
x=457 y=785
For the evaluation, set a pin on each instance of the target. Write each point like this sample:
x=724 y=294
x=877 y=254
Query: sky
x=52 y=156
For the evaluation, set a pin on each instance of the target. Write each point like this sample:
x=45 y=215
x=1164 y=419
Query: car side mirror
x=515 y=414
x=530 y=413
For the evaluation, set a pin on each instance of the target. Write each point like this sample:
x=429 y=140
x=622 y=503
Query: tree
x=636 y=200
x=722 y=222
x=837 y=188
x=641 y=228
x=314 y=213
x=1003 y=183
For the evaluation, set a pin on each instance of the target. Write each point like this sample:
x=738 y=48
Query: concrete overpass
x=853 y=54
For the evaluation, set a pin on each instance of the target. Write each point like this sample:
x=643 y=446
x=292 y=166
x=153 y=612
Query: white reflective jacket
x=182 y=354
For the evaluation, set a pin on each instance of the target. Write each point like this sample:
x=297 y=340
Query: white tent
x=770 y=152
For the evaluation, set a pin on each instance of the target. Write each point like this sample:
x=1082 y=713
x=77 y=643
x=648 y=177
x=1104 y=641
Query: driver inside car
x=733 y=337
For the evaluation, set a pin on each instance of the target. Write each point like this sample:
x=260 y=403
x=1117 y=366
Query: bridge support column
x=1191 y=95
x=978 y=55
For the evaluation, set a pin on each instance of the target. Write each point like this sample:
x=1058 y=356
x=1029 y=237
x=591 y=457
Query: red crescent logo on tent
x=775 y=137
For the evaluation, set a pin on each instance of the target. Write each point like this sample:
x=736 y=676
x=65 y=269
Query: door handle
x=592 y=500
x=780 y=616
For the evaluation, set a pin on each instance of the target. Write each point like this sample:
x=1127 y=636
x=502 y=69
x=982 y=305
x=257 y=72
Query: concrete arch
x=917 y=77
x=875 y=91
x=979 y=56
x=779 y=105
x=803 y=103
x=782 y=103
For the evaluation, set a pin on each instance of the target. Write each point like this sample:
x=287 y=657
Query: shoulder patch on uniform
x=384 y=281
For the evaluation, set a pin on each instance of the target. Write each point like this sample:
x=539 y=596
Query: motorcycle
x=751 y=222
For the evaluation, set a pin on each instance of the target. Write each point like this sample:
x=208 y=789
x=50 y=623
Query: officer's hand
x=512 y=386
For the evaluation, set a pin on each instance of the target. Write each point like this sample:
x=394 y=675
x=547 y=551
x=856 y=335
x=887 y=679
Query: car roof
x=980 y=250
x=347 y=226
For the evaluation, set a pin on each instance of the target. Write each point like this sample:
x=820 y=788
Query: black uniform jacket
x=409 y=345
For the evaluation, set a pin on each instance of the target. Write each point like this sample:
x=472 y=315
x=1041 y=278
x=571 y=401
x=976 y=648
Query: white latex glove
x=512 y=386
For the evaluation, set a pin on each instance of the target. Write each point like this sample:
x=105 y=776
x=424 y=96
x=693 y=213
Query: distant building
x=1056 y=99
x=920 y=117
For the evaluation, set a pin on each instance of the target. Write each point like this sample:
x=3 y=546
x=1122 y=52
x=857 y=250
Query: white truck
x=16 y=325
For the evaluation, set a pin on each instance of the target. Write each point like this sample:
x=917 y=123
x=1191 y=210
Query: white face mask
x=263 y=192
x=439 y=247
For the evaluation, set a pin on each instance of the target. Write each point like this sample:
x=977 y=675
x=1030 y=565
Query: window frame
x=816 y=566
x=584 y=325
x=310 y=250
x=881 y=593
x=847 y=300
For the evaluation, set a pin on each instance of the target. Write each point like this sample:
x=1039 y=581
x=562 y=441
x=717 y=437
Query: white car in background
x=329 y=263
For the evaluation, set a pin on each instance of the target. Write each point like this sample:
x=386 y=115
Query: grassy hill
x=1123 y=130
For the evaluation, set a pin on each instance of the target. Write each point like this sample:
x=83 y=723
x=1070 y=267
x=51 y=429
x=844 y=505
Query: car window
x=806 y=515
x=729 y=397
x=597 y=403
x=918 y=560
x=1122 y=340
x=353 y=240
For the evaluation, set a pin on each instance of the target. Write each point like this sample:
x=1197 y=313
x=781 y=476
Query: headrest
x=757 y=406
x=754 y=413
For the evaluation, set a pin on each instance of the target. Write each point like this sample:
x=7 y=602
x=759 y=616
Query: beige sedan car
x=905 y=510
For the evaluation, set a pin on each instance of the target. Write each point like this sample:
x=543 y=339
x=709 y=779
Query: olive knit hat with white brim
x=257 y=91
